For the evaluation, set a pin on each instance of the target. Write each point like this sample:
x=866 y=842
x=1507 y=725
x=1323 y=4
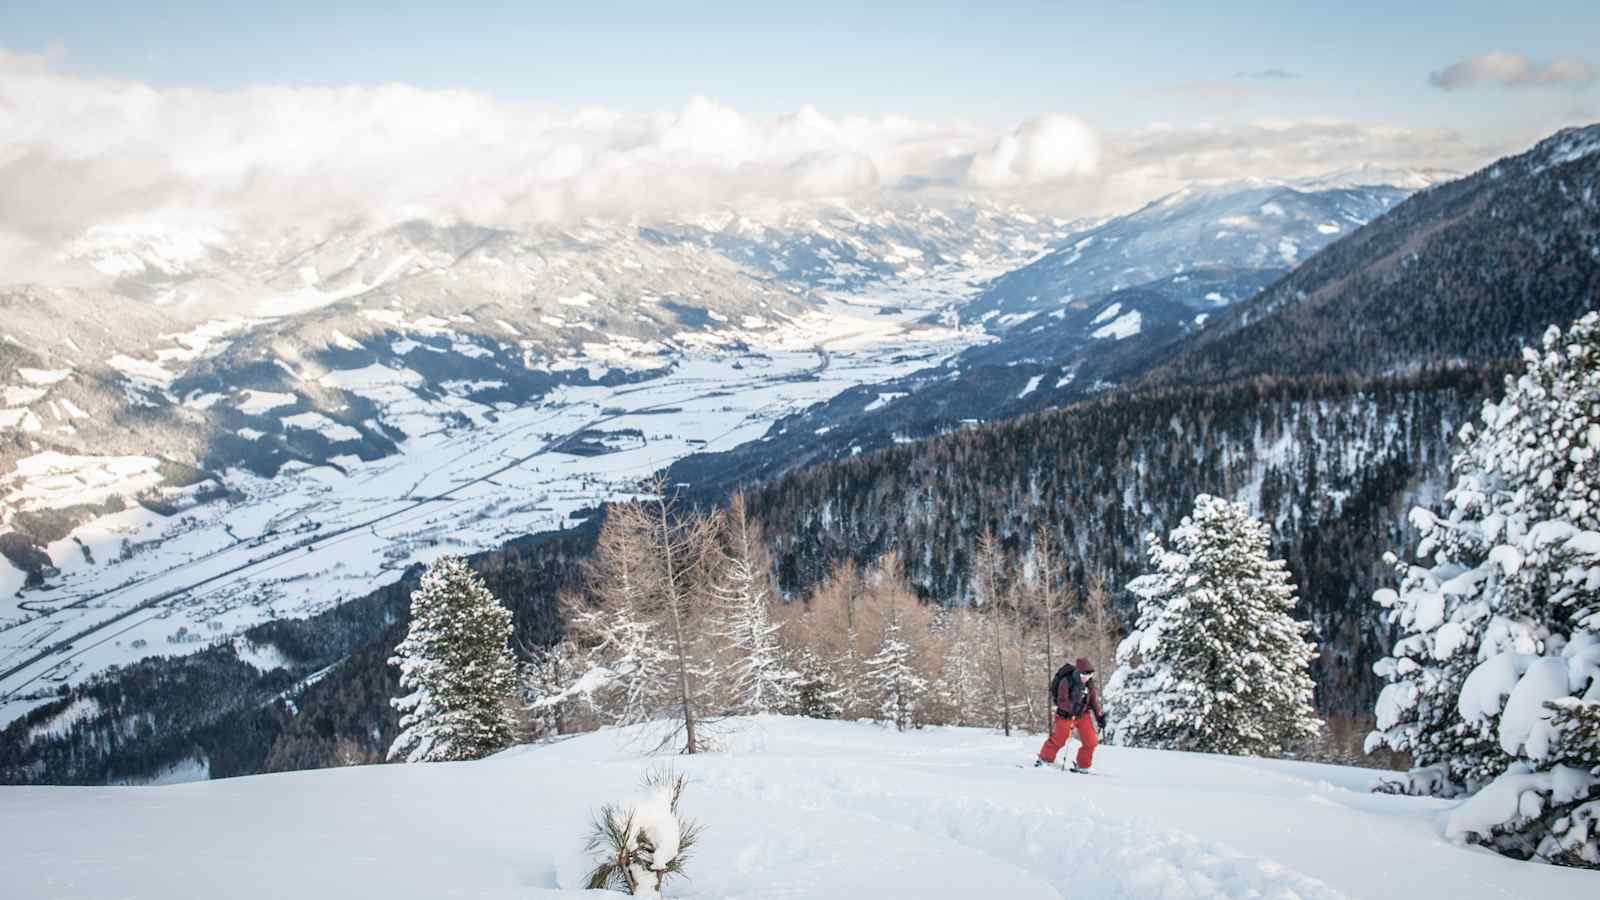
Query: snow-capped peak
x=1565 y=146
x=1373 y=174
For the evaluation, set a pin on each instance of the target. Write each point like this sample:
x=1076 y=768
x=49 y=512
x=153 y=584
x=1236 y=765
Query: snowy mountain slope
x=197 y=274
x=790 y=808
x=1251 y=225
x=1369 y=174
x=1464 y=272
x=1369 y=309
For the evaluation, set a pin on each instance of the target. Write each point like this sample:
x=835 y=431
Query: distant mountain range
x=206 y=351
x=1111 y=301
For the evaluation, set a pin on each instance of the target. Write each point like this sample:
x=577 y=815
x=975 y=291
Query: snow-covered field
x=789 y=807
x=470 y=477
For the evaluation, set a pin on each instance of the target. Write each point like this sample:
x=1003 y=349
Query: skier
x=1076 y=700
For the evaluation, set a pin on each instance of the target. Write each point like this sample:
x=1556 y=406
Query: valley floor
x=471 y=477
x=790 y=808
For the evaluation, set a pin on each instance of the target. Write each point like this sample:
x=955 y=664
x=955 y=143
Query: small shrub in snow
x=457 y=669
x=639 y=843
x=1216 y=663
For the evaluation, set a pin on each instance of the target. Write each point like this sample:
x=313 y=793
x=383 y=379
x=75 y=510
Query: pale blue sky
x=1116 y=64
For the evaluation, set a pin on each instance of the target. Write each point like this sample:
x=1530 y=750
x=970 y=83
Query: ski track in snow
x=790 y=808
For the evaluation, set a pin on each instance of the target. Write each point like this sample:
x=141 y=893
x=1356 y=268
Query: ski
x=1066 y=770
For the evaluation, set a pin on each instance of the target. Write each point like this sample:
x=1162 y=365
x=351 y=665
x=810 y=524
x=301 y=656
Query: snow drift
x=790 y=808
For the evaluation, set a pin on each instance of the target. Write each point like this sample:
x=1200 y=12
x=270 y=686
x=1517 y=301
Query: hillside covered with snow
x=788 y=807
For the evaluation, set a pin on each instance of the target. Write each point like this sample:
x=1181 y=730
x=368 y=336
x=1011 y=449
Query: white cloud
x=76 y=152
x=1044 y=149
x=1512 y=70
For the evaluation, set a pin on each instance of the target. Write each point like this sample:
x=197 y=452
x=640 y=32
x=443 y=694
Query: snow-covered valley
x=471 y=475
x=789 y=808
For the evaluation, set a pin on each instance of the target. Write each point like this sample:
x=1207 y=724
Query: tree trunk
x=1049 y=660
x=1000 y=665
x=675 y=603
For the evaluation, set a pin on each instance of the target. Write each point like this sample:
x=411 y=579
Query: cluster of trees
x=678 y=626
x=1494 y=684
x=679 y=621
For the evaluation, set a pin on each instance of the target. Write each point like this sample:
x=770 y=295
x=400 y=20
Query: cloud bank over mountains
x=79 y=151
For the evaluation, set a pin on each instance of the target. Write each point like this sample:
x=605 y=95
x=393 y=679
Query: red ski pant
x=1063 y=730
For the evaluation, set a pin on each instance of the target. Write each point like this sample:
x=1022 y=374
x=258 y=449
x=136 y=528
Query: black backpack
x=1077 y=691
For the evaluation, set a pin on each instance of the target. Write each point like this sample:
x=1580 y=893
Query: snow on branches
x=762 y=680
x=892 y=677
x=1494 y=682
x=456 y=668
x=639 y=843
x=1216 y=663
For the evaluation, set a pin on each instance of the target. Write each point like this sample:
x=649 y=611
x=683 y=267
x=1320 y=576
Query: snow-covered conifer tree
x=1496 y=677
x=457 y=669
x=1216 y=663
x=814 y=694
x=760 y=679
x=892 y=677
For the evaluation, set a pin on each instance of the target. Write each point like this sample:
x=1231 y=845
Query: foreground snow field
x=790 y=808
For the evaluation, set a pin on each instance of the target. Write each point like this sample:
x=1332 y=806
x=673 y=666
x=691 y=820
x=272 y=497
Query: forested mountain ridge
x=1330 y=463
x=1466 y=271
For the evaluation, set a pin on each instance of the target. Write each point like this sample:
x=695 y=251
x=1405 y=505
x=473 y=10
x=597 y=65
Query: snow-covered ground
x=470 y=477
x=789 y=807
